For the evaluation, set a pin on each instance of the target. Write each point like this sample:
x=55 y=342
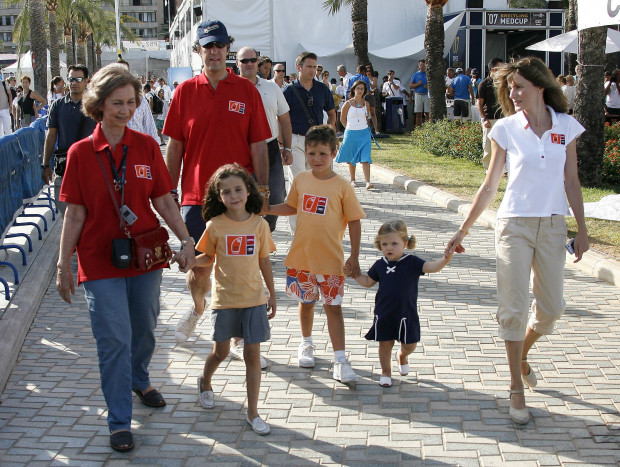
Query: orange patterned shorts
x=308 y=287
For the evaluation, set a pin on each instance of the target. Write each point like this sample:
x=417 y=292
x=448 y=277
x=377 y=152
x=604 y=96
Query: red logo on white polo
x=557 y=138
x=234 y=106
x=143 y=171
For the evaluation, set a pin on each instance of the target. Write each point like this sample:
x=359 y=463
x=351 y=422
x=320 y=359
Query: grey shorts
x=251 y=324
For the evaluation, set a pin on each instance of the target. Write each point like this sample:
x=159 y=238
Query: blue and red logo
x=557 y=138
x=234 y=106
x=314 y=204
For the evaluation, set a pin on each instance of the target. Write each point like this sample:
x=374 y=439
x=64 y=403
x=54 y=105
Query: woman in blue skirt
x=357 y=139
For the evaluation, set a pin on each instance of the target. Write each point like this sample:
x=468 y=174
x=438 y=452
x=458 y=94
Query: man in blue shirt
x=462 y=91
x=419 y=85
x=68 y=124
x=307 y=99
x=359 y=76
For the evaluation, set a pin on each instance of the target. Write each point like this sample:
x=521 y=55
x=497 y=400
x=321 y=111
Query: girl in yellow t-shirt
x=240 y=242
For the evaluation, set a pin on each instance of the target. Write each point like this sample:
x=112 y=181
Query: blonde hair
x=398 y=227
x=102 y=84
x=536 y=72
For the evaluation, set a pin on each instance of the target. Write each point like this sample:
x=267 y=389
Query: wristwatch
x=264 y=190
x=187 y=241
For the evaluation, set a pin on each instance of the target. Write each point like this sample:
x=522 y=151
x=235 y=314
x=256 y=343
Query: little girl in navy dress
x=396 y=309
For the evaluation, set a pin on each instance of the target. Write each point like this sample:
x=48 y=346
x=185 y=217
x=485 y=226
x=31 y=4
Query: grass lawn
x=463 y=178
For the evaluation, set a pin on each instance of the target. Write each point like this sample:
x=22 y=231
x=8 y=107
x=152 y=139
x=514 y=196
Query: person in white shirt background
x=537 y=141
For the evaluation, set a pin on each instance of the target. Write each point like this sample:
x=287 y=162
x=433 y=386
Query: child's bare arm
x=355 y=236
x=281 y=210
x=266 y=271
x=438 y=265
x=365 y=281
x=202 y=260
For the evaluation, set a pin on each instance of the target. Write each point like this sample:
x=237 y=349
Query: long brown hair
x=212 y=205
x=536 y=72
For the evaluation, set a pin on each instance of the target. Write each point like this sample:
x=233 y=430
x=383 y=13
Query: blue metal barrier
x=20 y=184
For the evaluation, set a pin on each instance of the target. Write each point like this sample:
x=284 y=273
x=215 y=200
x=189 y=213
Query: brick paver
x=451 y=409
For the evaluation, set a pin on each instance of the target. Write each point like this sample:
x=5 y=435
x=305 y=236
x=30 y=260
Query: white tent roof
x=569 y=42
x=407 y=48
x=25 y=63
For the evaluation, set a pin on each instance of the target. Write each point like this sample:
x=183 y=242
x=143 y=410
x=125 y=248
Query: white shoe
x=305 y=355
x=259 y=426
x=343 y=372
x=530 y=379
x=236 y=353
x=520 y=416
x=205 y=397
x=187 y=324
x=402 y=369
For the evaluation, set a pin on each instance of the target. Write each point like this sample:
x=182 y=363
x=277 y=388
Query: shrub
x=451 y=138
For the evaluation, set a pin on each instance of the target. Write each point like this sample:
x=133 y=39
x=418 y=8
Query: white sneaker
x=236 y=353
x=305 y=355
x=187 y=324
x=205 y=397
x=343 y=372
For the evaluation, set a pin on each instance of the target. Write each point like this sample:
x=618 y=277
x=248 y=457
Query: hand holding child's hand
x=271 y=306
x=353 y=266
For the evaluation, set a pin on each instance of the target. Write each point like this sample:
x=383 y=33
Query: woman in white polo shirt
x=537 y=142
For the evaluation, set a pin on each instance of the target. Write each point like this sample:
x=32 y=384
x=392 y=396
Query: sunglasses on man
x=245 y=61
x=75 y=80
x=216 y=44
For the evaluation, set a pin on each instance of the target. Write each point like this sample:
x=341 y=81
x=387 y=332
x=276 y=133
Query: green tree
x=434 y=40
x=359 y=20
x=38 y=44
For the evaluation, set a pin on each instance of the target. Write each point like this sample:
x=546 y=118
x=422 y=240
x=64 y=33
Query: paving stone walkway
x=452 y=409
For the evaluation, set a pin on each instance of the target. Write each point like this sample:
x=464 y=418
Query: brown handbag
x=150 y=249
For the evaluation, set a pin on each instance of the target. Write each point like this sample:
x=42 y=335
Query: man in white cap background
x=462 y=92
x=215 y=118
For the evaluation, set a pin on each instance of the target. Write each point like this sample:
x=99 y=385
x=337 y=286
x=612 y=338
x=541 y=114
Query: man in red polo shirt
x=215 y=118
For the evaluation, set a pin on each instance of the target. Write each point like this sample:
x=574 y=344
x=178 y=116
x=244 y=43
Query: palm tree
x=104 y=32
x=359 y=19
x=70 y=13
x=52 y=7
x=589 y=101
x=434 y=38
x=38 y=44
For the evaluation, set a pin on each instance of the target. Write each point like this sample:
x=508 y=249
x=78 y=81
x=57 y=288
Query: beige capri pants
x=524 y=245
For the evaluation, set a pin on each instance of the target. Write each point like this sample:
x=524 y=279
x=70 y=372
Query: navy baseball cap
x=211 y=31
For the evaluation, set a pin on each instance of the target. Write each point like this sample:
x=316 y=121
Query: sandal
x=530 y=379
x=402 y=369
x=153 y=398
x=121 y=441
x=369 y=186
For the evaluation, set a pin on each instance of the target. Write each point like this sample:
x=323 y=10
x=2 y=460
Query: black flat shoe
x=152 y=398
x=121 y=441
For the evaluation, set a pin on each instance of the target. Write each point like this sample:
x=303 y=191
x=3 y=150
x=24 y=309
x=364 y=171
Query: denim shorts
x=251 y=324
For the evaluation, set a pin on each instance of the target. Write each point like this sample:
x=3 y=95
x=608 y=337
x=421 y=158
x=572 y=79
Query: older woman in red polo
x=110 y=182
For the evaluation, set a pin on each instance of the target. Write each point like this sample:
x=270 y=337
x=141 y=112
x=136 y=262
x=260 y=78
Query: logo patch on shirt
x=557 y=138
x=234 y=106
x=314 y=204
x=240 y=245
x=143 y=171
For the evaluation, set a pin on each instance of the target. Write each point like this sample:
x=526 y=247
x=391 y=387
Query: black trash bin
x=394 y=115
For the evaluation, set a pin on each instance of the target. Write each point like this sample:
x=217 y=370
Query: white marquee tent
x=25 y=67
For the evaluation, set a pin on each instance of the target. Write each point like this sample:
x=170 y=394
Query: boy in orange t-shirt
x=325 y=204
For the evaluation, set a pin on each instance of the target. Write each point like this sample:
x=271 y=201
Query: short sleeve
x=207 y=243
x=259 y=129
x=292 y=199
x=159 y=172
x=172 y=125
x=283 y=106
x=575 y=129
x=265 y=240
x=373 y=272
x=351 y=207
x=329 y=100
x=52 y=120
x=498 y=134
x=417 y=265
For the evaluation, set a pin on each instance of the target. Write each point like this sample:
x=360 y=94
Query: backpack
x=158 y=104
